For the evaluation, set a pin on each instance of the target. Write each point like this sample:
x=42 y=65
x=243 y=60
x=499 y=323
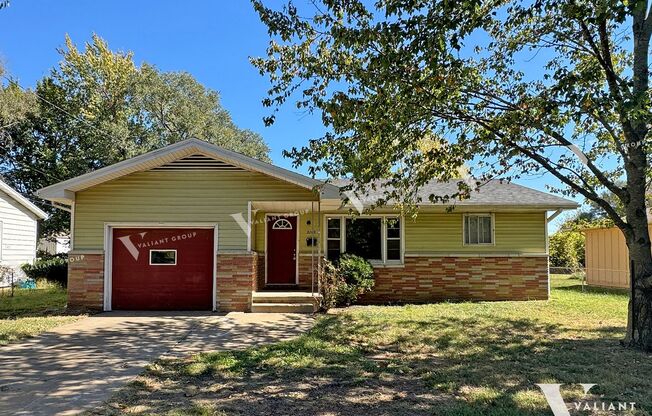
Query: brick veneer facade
x=305 y=272
x=260 y=272
x=428 y=279
x=86 y=280
x=420 y=279
x=237 y=276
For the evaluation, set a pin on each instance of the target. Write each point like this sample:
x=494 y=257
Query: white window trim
x=162 y=264
x=399 y=238
x=340 y=238
x=493 y=228
x=383 y=236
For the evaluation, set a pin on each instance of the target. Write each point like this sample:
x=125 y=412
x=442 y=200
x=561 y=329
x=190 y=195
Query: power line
x=63 y=110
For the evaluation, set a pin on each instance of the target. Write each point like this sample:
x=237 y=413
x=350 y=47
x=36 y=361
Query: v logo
x=555 y=401
x=131 y=248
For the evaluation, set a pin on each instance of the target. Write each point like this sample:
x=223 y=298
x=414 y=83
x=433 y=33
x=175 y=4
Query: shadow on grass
x=467 y=365
x=32 y=303
x=595 y=290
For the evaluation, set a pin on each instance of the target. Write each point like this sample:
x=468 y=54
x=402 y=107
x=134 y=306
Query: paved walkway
x=79 y=365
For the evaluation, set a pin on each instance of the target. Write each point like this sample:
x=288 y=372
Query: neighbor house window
x=375 y=238
x=478 y=229
x=163 y=257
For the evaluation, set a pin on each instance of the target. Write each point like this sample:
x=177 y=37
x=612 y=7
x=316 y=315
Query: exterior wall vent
x=197 y=162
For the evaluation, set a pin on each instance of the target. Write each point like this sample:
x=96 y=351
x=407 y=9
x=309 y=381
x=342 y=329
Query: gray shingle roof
x=492 y=193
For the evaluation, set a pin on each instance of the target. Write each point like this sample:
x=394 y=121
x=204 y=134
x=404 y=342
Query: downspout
x=312 y=249
x=319 y=242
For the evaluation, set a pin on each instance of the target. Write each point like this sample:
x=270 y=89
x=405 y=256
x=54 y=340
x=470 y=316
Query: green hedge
x=342 y=283
x=53 y=270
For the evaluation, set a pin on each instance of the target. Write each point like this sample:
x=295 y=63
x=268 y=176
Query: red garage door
x=162 y=269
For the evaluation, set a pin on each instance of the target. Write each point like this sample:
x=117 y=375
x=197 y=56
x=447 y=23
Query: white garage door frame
x=108 y=250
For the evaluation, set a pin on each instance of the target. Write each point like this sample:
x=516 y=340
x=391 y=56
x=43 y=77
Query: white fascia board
x=182 y=149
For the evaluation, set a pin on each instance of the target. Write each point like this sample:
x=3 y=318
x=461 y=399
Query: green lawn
x=442 y=359
x=32 y=311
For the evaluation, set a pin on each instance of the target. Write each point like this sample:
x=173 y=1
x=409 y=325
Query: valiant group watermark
x=245 y=225
x=134 y=248
x=559 y=407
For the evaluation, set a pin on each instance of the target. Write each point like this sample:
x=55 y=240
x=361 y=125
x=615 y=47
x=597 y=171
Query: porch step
x=285 y=302
x=283 y=308
x=283 y=297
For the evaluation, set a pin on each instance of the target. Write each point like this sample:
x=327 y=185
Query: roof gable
x=182 y=155
x=24 y=202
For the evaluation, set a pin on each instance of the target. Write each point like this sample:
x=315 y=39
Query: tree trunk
x=639 y=324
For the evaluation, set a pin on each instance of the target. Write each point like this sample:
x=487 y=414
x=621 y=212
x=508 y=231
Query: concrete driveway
x=78 y=366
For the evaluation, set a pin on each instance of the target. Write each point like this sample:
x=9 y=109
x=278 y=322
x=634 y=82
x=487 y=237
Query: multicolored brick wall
x=236 y=279
x=429 y=279
x=305 y=272
x=418 y=280
x=86 y=280
x=260 y=272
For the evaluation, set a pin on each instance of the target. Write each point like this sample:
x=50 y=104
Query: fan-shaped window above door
x=282 y=224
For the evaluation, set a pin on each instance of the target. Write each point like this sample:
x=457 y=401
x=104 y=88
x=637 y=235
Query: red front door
x=281 y=250
x=162 y=269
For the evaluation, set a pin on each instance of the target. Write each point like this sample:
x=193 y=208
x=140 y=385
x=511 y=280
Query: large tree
x=97 y=108
x=512 y=87
x=15 y=104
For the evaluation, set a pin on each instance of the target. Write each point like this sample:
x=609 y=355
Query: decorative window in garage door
x=163 y=257
x=282 y=224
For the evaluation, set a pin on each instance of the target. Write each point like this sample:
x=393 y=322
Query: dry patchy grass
x=32 y=311
x=448 y=358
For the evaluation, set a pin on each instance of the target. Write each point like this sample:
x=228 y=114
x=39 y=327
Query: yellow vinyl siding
x=515 y=233
x=441 y=233
x=178 y=196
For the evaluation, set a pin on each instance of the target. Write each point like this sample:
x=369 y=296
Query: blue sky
x=212 y=40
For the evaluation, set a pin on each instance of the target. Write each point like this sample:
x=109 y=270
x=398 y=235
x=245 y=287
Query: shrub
x=329 y=281
x=53 y=270
x=343 y=283
x=567 y=249
x=5 y=273
x=358 y=276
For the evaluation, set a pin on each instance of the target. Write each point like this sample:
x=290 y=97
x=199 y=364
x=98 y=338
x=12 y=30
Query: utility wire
x=63 y=110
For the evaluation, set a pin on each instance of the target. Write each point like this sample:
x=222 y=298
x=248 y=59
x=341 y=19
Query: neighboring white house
x=54 y=245
x=18 y=218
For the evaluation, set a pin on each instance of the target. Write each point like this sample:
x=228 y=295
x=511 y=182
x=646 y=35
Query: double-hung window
x=393 y=238
x=377 y=239
x=478 y=229
x=334 y=238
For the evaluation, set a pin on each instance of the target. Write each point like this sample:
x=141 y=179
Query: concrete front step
x=285 y=302
x=285 y=297
x=283 y=307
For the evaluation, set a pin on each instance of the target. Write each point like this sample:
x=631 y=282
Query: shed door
x=162 y=269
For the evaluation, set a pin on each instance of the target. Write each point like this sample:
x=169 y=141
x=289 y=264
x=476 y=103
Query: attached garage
x=161 y=268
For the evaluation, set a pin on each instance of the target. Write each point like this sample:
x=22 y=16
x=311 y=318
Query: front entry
x=281 y=256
